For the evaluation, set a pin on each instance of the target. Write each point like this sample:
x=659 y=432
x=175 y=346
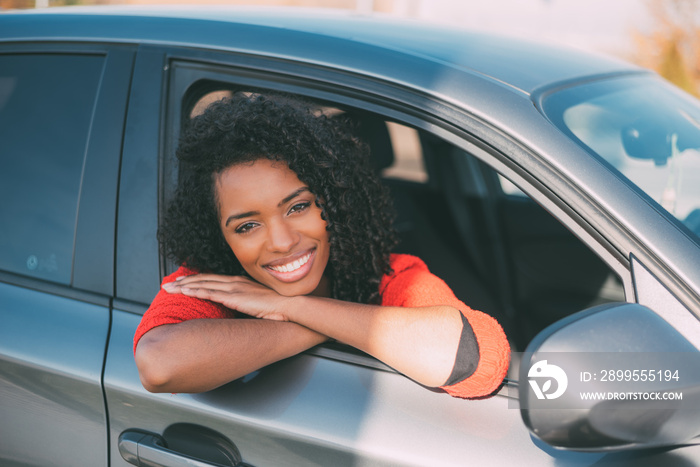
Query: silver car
x=555 y=190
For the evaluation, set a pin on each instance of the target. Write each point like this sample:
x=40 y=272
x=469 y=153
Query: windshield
x=645 y=128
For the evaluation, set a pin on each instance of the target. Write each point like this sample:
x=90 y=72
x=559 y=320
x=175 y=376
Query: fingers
x=206 y=290
x=206 y=281
x=212 y=278
x=208 y=277
x=199 y=290
x=174 y=287
x=235 y=292
x=203 y=293
x=252 y=304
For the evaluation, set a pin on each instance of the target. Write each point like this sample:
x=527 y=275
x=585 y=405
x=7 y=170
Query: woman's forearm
x=419 y=342
x=202 y=354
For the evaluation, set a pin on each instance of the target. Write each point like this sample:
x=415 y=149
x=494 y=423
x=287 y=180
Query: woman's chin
x=309 y=285
x=295 y=290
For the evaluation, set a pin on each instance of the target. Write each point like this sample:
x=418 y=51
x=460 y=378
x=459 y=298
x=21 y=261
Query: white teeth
x=293 y=266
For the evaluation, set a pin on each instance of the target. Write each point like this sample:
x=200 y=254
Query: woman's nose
x=282 y=237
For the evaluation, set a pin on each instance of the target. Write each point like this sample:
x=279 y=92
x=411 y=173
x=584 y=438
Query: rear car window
x=46 y=106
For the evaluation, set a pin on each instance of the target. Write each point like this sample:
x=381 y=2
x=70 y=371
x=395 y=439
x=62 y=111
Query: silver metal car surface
x=70 y=393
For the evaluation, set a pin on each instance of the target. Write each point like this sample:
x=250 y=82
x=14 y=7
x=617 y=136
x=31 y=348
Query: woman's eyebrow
x=233 y=217
x=293 y=195
x=286 y=199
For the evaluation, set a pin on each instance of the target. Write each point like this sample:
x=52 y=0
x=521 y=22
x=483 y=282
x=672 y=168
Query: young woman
x=278 y=216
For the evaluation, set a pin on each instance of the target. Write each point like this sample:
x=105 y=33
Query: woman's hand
x=235 y=292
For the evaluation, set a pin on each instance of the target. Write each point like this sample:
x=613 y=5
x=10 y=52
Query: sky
x=602 y=25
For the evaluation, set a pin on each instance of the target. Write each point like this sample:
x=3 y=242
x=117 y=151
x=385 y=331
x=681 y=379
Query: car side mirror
x=616 y=376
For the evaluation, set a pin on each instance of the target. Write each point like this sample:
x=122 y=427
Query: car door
x=326 y=406
x=62 y=110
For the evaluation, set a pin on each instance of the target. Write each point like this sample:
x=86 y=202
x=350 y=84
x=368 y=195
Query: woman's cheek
x=245 y=250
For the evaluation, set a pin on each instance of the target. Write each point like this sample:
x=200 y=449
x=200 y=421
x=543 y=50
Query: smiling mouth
x=294 y=265
x=293 y=270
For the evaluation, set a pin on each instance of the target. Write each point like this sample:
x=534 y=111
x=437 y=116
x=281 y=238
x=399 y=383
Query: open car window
x=504 y=255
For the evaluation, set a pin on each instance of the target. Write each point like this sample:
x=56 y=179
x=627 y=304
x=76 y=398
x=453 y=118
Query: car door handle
x=150 y=450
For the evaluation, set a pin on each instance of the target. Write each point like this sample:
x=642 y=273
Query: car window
x=509 y=188
x=408 y=154
x=407 y=160
x=207 y=99
x=504 y=255
x=54 y=96
x=648 y=131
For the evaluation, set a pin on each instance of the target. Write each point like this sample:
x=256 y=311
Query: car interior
x=498 y=250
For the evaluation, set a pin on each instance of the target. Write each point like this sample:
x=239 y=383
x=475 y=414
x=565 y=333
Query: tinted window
x=46 y=105
x=646 y=129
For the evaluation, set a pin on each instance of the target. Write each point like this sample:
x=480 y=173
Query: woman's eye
x=299 y=207
x=243 y=228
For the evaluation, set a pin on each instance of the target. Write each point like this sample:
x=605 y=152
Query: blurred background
x=663 y=35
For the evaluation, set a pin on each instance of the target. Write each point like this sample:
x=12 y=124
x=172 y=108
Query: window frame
x=342 y=89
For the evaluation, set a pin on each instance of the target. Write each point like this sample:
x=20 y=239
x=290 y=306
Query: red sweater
x=410 y=285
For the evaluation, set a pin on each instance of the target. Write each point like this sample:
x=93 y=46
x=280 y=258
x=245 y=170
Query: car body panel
x=259 y=31
x=309 y=410
x=138 y=273
x=51 y=358
x=95 y=238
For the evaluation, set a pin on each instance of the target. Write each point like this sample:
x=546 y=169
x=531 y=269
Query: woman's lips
x=293 y=269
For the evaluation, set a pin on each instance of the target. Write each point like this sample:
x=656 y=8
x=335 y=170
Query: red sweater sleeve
x=412 y=285
x=169 y=308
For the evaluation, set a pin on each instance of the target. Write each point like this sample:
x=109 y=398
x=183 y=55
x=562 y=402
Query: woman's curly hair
x=325 y=157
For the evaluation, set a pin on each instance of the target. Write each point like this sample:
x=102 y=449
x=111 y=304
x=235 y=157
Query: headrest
x=373 y=131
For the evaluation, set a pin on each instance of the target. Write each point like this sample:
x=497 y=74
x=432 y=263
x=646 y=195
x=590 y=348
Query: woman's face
x=270 y=220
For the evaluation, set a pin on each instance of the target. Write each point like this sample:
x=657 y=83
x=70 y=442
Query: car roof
x=315 y=35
